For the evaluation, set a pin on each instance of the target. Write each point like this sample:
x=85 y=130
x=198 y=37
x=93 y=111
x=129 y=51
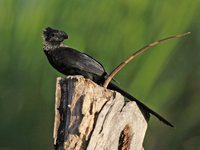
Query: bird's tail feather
x=130 y=97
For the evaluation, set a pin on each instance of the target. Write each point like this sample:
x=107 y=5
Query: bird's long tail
x=131 y=98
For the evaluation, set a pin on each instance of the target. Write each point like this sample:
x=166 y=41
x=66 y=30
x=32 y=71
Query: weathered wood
x=88 y=116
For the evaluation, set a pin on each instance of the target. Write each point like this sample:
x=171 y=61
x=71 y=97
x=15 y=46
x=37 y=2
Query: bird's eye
x=52 y=34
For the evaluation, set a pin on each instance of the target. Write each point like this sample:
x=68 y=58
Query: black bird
x=69 y=61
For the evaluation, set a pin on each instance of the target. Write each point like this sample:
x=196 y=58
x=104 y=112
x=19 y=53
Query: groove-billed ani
x=72 y=62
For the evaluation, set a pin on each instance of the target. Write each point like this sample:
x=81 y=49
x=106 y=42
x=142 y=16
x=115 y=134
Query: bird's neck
x=47 y=46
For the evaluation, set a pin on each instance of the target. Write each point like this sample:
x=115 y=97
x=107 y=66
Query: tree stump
x=88 y=116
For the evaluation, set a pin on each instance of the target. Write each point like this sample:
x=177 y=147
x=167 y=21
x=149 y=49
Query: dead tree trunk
x=88 y=116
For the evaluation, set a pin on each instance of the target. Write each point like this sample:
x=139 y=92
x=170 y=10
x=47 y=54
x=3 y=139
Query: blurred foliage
x=167 y=78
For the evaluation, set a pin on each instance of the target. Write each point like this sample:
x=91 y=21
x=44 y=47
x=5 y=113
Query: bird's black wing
x=75 y=59
x=91 y=65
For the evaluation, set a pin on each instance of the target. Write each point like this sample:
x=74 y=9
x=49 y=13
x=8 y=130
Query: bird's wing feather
x=87 y=63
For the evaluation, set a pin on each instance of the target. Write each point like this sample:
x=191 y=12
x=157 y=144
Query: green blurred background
x=167 y=78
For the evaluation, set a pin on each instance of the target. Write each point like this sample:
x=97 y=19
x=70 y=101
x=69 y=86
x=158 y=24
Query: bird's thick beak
x=64 y=35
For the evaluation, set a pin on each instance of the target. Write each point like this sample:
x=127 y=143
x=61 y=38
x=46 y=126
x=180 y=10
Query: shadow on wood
x=88 y=116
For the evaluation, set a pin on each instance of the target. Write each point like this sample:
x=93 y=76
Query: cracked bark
x=88 y=116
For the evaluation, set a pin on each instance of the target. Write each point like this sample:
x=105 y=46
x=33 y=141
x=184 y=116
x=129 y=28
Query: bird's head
x=53 y=37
